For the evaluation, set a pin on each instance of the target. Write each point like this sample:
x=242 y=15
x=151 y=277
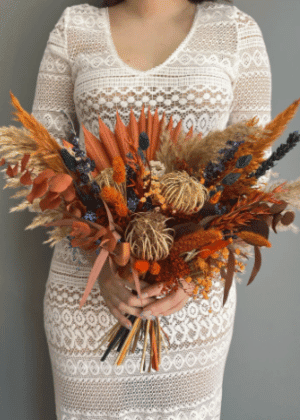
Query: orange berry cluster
x=142 y=266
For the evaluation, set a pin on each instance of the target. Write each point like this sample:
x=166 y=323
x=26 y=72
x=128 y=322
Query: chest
x=149 y=45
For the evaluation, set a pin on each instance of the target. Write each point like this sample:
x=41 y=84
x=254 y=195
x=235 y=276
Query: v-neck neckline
x=158 y=67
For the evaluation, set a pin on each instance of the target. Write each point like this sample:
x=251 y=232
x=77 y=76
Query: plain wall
x=262 y=375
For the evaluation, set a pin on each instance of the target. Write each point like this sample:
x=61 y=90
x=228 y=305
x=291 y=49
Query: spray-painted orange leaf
x=12 y=172
x=50 y=201
x=80 y=229
x=26 y=178
x=60 y=182
x=69 y=194
x=121 y=136
x=76 y=208
x=95 y=150
x=109 y=141
x=88 y=242
x=38 y=190
x=142 y=120
x=133 y=130
x=44 y=175
x=155 y=134
x=2 y=162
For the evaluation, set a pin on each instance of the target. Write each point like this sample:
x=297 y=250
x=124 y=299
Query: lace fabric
x=220 y=74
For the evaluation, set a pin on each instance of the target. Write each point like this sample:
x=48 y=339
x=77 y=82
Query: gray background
x=262 y=375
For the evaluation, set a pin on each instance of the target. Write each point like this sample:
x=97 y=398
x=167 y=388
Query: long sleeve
x=54 y=88
x=252 y=89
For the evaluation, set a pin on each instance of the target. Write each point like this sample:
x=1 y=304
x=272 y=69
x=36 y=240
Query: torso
x=145 y=45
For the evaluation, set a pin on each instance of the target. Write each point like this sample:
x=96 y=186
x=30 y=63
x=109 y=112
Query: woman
x=202 y=62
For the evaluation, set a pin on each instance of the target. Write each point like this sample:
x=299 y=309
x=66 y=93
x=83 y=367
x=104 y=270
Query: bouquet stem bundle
x=125 y=341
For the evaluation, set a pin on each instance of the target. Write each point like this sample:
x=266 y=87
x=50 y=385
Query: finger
x=118 y=315
x=176 y=308
x=119 y=303
x=132 y=286
x=152 y=290
x=164 y=304
x=132 y=300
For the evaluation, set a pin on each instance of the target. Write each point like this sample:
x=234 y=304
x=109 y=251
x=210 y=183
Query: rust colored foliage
x=244 y=210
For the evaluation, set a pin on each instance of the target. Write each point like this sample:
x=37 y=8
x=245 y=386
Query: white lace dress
x=218 y=75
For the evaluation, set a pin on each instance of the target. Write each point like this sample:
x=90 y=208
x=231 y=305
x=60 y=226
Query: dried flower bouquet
x=159 y=203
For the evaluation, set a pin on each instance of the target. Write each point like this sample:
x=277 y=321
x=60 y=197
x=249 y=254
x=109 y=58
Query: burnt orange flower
x=254 y=239
x=114 y=197
x=141 y=266
x=119 y=174
x=154 y=268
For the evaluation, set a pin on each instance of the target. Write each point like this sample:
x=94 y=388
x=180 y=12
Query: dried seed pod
x=184 y=192
x=288 y=218
x=276 y=219
x=149 y=237
x=278 y=208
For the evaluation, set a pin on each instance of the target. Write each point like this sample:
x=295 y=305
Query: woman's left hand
x=173 y=302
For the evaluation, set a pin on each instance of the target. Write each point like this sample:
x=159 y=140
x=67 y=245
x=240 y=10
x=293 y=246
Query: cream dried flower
x=157 y=168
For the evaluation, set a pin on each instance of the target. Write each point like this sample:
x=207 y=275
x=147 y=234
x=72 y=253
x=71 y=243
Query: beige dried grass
x=198 y=150
x=15 y=142
x=292 y=195
x=105 y=179
x=58 y=234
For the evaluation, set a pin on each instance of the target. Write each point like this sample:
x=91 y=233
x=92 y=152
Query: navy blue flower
x=91 y=216
x=144 y=142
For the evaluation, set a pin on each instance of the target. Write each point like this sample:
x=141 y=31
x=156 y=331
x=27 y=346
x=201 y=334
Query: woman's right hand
x=119 y=299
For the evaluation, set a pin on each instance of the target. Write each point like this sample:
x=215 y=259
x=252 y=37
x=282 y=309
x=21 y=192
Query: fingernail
x=129 y=326
x=147 y=315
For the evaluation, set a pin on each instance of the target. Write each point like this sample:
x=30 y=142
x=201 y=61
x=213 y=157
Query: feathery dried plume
x=47 y=148
x=47 y=216
x=21 y=193
x=197 y=150
x=57 y=235
x=15 y=142
x=291 y=192
x=20 y=207
x=278 y=125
